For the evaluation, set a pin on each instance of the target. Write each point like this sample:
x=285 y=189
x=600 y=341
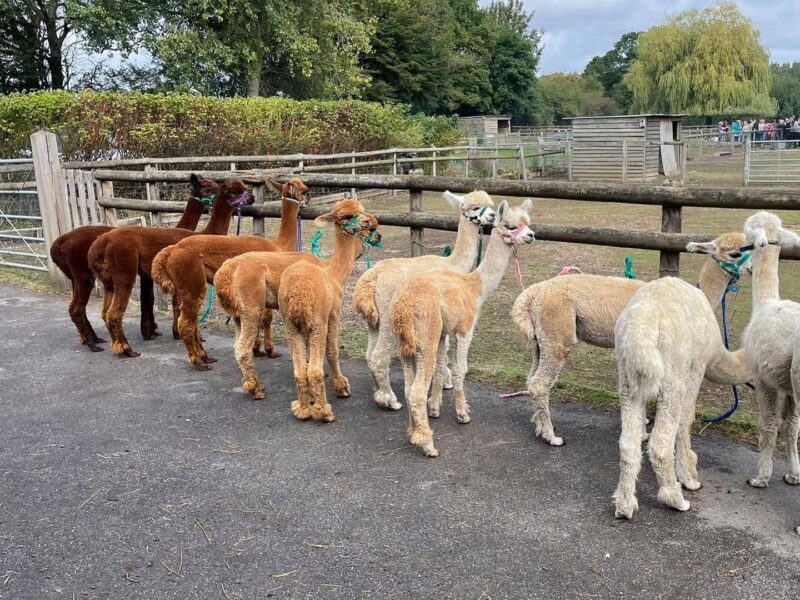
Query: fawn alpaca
x=184 y=270
x=70 y=252
x=427 y=309
x=310 y=300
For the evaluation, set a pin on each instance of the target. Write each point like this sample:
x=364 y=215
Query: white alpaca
x=667 y=340
x=772 y=343
x=554 y=314
x=376 y=287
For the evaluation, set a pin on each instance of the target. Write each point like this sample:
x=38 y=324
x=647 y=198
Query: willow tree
x=702 y=62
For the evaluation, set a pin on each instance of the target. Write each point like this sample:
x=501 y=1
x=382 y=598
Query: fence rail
x=772 y=161
x=18 y=210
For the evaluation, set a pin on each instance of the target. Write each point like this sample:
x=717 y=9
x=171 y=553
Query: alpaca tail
x=297 y=304
x=57 y=254
x=642 y=362
x=97 y=258
x=159 y=271
x=521 y=313
x=364 y=298
x=223 y=284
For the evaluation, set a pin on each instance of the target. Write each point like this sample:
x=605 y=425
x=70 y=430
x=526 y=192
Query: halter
x=753 y=246
x=512 y=237
x=732 y=267
x=239 y=203
x=206 y=201
x=481 y=212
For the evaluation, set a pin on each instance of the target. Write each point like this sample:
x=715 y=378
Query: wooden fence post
x=52 y=201
x=353 y=172
x=394 y=169
x=669 y=262
x=433 y=168
x=415 y=205
x=522 y=167
x=259 y=195
x=625 y=161
x=153 y=195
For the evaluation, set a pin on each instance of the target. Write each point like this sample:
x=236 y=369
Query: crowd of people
x=742 y=130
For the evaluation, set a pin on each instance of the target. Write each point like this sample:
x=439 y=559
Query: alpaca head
x=514 y=223
x=236 y=193
x=726 y=252
x=294 y=189
x=350 y=216
x=202 y=188
x=475 y=206
x=764 y=228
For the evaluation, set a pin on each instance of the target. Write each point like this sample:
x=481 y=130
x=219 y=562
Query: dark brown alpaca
x=118 y=256
x=70 y=252
x=185 y=269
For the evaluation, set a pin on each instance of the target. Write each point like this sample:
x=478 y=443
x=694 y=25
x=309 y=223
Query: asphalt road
x=143 y=478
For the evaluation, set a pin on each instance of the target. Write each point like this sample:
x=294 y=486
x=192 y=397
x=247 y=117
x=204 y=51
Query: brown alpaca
x=70 y=252
x=118 y=256
x=248 y=283
x=310 y=300
x=185 y=269
x=426 y=309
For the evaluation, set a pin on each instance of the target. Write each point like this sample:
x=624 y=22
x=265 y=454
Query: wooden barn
x=485 y=125
x=626 y=148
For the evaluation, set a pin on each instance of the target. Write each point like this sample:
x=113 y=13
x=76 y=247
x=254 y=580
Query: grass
x=35 y=281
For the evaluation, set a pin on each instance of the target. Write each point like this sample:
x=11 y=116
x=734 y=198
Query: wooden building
x=626 y=148
x=485 y=125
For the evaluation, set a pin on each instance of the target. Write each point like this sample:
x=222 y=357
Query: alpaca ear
x=194 y=179
x=275 y=184
x=454 y=200
x=527 y=205
x=702 y=247
x=323 y=220
x=502 y=211
x=788 y=238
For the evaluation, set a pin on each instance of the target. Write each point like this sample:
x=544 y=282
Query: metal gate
x=22 y=242
x=772 y=161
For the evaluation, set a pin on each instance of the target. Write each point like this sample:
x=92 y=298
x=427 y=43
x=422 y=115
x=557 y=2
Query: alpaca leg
x=340 y=384
x=439 y=380
x=147 y=325
x=317 y=347
x=187 y=327
x=420 y=433
x=269 y=344
x=243 y=349
x=299 y=350
x=379 y=367
x=547 y=363
x=686 y=458
x=630 y=451
x=448 y=374
x=661 y=446
x=81 y=292
x=459 y=372
x=176 y=313
x=792 y=420
x=114 y=316
x=767 y=433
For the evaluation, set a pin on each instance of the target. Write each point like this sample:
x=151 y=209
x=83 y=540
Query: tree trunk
x=54 y=44
x=254 y=77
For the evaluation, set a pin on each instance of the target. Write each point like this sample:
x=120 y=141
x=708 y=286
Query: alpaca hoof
x=201 y=366
x=757 y=482
x=673 y=498
x=272 y=354
x=433 y=413
x=94 y=347
x=387 y=400
x=208 y=359
x=556 y=441
x=258 y=353
x=431 y=452
x=464 y=419
x=341 y=386
x=624 y=508
x=131 y=353
x=97 y=340
x=323 y=414
x=447 y=385
x=300 y=411
x=791 y=479
x=255 y=389
x=692 y=485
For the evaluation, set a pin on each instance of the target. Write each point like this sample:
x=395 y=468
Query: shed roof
x=486 y=117
x=665 y=115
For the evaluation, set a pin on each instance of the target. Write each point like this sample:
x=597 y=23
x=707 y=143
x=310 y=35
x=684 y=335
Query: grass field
x=498 y=354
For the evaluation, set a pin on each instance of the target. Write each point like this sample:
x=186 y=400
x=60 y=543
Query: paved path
x=118 y=474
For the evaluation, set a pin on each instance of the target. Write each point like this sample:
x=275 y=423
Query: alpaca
x=70 y=252
x=185 y=269
x=248 y=283
x=376 y=287
x=118 y=256
x=428 y=308
x=310 y=301
x=667 y=341
x=554 y=314
x=772 y=344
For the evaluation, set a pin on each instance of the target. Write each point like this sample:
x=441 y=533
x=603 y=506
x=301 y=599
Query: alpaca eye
x=735 y=254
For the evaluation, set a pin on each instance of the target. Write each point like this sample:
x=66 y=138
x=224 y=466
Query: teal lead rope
x=315 y=244
x=629 y=268
x=209 y=305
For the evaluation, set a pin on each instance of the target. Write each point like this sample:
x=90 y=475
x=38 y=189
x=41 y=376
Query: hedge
x=96 y=125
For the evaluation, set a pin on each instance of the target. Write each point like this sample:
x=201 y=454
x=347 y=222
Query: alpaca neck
x=191 y=214
x=347 y=247
x=765 y=276
x=466 y=249
x=713 y=282
x=493 y=267
x=287 y=235
x=729 y=368
x=220 y=220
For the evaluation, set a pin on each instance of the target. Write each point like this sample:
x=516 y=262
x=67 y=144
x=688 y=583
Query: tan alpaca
x=376 y=287
x=426 y=309
x=554 y=314
x=310 y=300
x=248 y=283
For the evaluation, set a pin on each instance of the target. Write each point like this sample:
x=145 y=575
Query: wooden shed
x=485 y=125
x=626 y=147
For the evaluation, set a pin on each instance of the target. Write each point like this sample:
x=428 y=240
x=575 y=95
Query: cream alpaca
x=667 y=340
x=425 y=310
x=772 y=343
x=554 y=314
x=375 y=288
x=310 y=300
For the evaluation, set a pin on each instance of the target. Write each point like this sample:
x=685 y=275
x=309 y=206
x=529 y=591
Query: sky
x=577 y=30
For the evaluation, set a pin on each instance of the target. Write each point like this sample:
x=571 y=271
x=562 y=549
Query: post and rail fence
x=74 y=194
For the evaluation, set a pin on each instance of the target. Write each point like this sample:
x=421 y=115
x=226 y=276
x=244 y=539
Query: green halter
x=732 y=268
x=207 y=201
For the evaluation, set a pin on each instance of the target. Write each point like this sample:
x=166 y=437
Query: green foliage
x=786 y=88
x=571 y=95
x=96 y=125
x=611 y=68
x=707 y=61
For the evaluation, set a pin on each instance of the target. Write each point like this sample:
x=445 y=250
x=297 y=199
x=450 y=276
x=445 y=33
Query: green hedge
x=94 y=125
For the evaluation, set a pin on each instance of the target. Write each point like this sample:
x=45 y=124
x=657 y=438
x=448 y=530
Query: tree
x=611 y=68
x=702 y=62
x=570 y=95
x=786 y=88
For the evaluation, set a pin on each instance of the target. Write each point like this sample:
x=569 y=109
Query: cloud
x=577 y=30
